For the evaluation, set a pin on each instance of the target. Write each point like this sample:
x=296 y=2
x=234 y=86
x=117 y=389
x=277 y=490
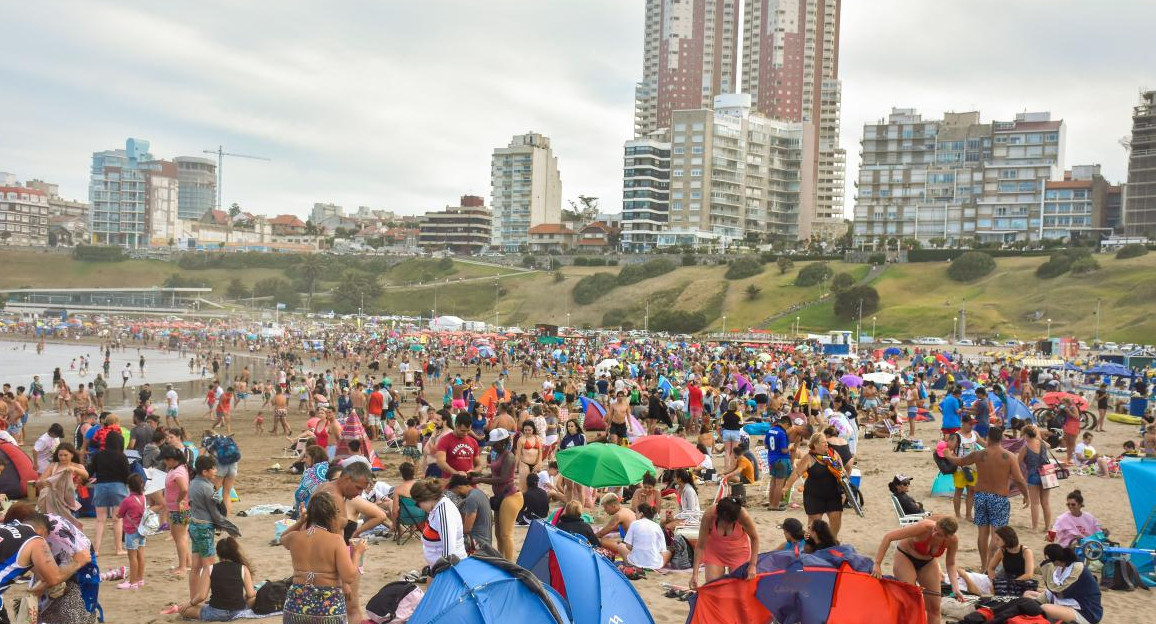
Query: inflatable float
x=1125 y=419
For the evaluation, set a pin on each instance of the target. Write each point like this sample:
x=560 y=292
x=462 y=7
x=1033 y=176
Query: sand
x=385 y=562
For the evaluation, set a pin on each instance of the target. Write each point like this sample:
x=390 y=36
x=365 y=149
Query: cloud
x=400 y=103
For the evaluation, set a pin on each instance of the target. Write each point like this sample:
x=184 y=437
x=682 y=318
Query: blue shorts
x=133 y=541
x=991 y=510
x=780 y=468
x=210 y=613
x=108 y=494
x=732 y=435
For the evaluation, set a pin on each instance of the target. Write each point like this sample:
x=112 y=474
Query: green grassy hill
x=916 y=299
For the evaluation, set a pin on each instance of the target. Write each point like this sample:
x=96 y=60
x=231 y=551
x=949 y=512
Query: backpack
x=943 y=464
x=271 y=596
x=1121 y=575
x=226 y=449
x=681 y=557
x=395 y=601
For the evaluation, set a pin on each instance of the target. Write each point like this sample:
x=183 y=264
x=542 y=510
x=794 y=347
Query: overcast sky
x=399 y=103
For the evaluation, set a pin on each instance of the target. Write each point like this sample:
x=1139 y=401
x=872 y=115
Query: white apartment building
x=23 y=215
x=732 y=174
x=526 y=190
x=956 y=178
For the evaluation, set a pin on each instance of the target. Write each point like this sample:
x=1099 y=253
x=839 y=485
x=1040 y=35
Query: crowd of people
x=452 y=411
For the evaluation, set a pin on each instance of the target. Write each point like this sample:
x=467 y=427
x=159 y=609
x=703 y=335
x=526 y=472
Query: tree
x=971 y=266
x=938 y=242
x=234 y=211
x=1085 y=265
x=753 y=292
x=529 y=261
x=847 y=303
x=309 y=270
x=355 y=289
x=1134 y=250
x=237 y=290
x=5 y=236
x=842 y=282
x=785 y=264
x=814 y=273
x=912 y=243
x=311 y=228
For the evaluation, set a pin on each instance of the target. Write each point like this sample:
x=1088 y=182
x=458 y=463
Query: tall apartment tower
x=690 y=56
x=198 y=186
x=1140 y=194
x=526 y=190
x=118 y=197
x=791 y=71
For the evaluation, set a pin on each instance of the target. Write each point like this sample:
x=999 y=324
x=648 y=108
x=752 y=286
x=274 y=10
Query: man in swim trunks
x=995 y=467
x=619 y=409
x=280 y=404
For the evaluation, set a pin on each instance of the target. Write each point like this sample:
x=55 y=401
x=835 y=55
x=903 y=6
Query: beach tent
x=1140 y=480
x=485 y=589
x=806 y=590
x=1113 y=370
x=17 y=471
x=592 y=586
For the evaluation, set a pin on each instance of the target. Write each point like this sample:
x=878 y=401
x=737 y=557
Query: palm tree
x=310 y=269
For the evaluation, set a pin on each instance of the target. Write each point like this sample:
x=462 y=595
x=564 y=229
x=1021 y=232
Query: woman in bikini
x=920 y=545
x=323 y=567
x=529 y=450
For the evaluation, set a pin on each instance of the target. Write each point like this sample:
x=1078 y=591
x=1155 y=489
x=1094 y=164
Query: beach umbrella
x=851 y=381
x=890 y=351
x=879 y=377
x=667 y=451
x=603 y=465
x=884 y=365
x=765 y=357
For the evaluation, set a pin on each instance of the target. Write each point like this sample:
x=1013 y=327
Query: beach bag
x=271 y=596
x=395 y=602
x=1048 y=478
x=681 y=557
x=150 y=523
x=88 y=578
x=1121 y=575
x=943 y=464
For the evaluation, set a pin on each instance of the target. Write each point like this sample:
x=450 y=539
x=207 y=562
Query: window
x=676 y=173
x=680 y=150
x=1008 y=174
x=696 y=172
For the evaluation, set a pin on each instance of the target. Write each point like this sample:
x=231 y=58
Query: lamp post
x=724 y=323
x=497 y=296
x=954 y=325
x=873 y=319
x=1049 y=329
x=796 y=326
x=1097 y=339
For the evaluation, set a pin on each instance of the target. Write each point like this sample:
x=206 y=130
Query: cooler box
x=856 y=477
x=1137 y=406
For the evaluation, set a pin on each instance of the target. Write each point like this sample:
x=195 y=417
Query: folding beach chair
x=410 y=520
x=904 y=518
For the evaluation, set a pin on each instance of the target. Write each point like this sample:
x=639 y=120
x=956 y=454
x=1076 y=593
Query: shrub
x=742 y=268
x=99 y=253
x=971 y=266
x=592 y=287
x=842 y=282
x=613 y=262
x=847 y=302
x=446 y=264
x=580 y=261
x=638 y=272
x=785 y=264
x=1056 y=266
x=618 y=317
x=559 y=277
x=753 y=292
x=1085 y=265
x=689 y=260
x=877 y=258
x=529 y=261
x=813 y=273
x=678 y=321
x=1134 y=250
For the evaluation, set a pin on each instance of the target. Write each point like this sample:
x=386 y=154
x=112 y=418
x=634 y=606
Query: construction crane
x=221 y=154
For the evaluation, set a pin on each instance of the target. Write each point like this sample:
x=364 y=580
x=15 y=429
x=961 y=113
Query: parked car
x=930 y=340
x=965 y=342
x=890 y=341
x=1111 y=346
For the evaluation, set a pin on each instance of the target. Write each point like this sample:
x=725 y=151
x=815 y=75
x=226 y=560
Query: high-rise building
x=162 y=198
x=117 y=196
x=23 y=215
x=462 y=229
x=526 y=190
x=956 y=178
x=645 y=191
x=1140 y=195
x=733 y=175
x=1074 y=208
x=690 y=56
x=197 y=178
x=791 y=70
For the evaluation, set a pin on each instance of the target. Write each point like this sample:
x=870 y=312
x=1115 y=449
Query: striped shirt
x=443 y=533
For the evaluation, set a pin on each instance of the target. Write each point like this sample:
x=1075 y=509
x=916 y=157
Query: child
x=131 y=511
x=259 y=423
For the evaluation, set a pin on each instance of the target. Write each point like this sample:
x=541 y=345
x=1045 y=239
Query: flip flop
x=171 y=609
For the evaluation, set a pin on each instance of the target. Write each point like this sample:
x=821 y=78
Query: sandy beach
x=385 y=562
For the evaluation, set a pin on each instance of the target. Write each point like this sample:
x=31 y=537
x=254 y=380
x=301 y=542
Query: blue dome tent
x=484 y=589
x=594 y=588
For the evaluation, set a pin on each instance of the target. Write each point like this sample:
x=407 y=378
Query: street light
x=796 y=326
x=724 y=323
x=873 y=329
x=1049 y=329
x=954 y=325
x=1097 y=340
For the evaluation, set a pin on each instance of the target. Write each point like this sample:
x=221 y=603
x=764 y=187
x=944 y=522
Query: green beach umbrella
x=603 y=465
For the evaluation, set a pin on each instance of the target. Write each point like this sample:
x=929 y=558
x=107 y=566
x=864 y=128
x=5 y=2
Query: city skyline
x=342 y=101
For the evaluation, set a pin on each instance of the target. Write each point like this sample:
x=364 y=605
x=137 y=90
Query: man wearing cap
x=172 y=407
x=477 y=517
x=965 y=478
x=900 y=486
x=778 y=460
